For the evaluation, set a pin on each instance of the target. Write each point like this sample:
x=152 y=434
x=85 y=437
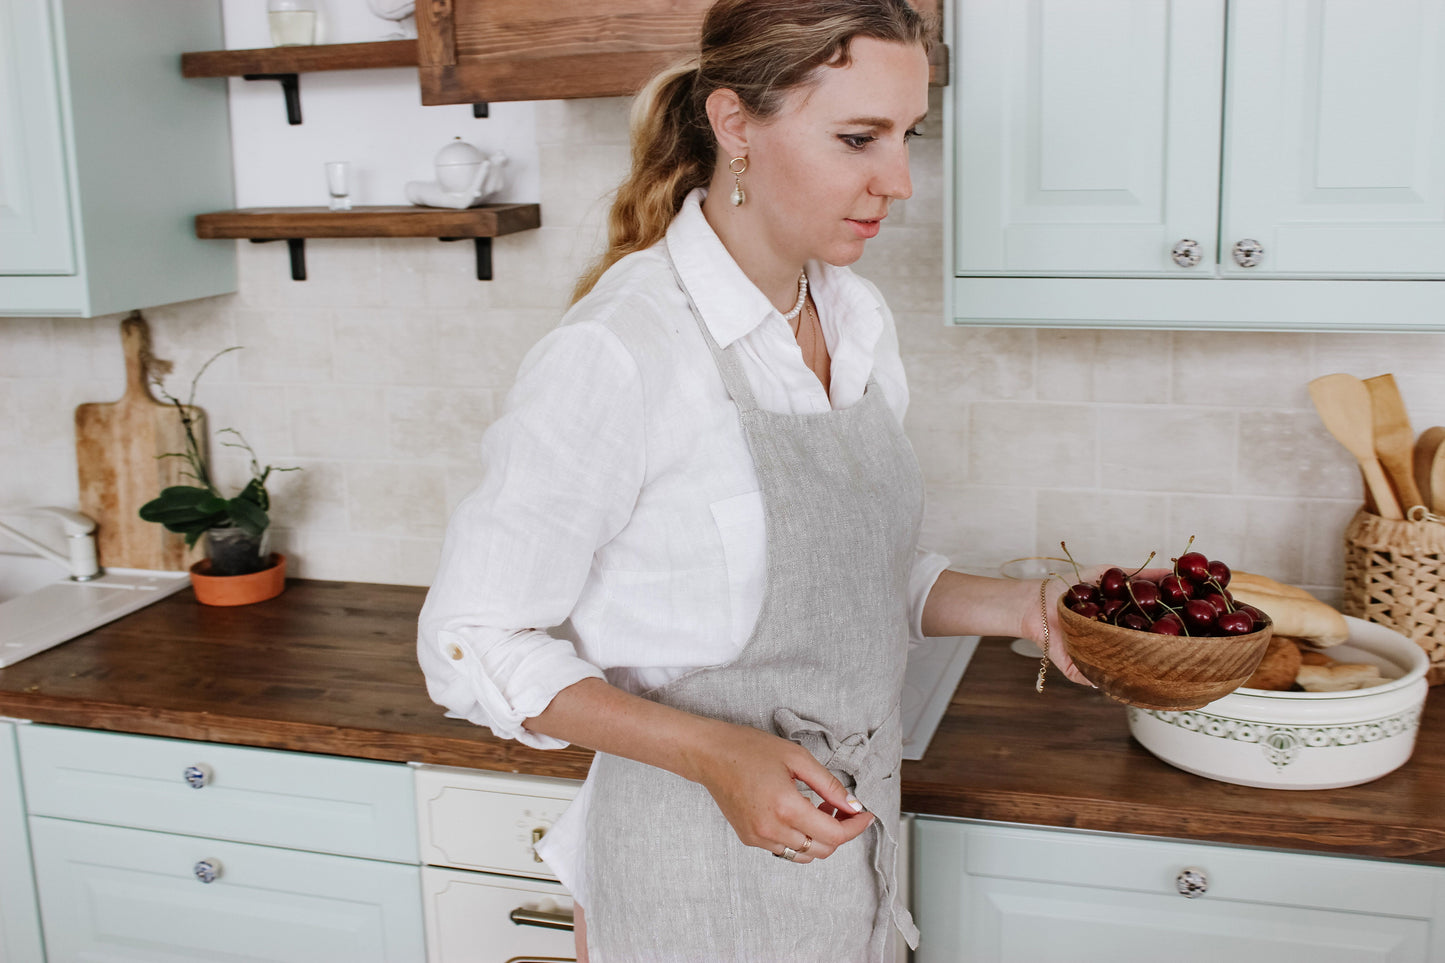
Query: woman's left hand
x=1057 y=651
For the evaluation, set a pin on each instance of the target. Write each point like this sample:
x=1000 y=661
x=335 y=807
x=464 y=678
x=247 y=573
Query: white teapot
x=465 y=177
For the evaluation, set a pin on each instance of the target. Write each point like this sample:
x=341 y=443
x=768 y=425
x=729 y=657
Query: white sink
x=40 y=607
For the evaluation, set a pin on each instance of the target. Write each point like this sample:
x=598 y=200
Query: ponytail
x=672 y=153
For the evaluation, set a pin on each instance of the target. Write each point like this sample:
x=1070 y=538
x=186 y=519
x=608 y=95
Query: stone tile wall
x=379 y=374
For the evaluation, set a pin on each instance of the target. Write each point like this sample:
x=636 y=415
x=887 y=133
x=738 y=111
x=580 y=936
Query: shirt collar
x=732 y=306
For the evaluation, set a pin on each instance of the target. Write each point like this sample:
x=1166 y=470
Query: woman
x=695 y=546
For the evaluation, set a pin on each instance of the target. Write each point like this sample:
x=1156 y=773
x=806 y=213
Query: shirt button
x=455 y=651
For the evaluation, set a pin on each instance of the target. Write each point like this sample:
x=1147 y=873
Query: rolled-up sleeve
x=562 y=469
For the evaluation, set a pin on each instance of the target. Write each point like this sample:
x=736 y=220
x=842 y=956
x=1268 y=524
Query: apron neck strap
x=734 y=379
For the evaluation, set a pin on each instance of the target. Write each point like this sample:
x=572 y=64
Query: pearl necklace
x=802 y=297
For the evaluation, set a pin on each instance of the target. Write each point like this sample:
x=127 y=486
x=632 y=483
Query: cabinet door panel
x=19 y=924
x=35 y=236
x=110 y=894
x=1335 y=137
x=1087 y=134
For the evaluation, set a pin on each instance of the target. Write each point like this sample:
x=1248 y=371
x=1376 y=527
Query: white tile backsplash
x=379 y=374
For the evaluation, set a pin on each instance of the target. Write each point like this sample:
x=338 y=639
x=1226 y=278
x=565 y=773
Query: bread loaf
x=1339 y=677
x=1294 y=611
x=1278 y=668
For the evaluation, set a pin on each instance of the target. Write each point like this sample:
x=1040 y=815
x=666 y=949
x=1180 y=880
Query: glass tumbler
x=293 y=22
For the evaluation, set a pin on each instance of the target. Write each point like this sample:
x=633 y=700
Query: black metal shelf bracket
x=480 y=109
x=290 y=87
x=484 y=255
x=296 y=246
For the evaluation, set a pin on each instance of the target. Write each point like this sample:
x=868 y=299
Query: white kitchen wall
x=379 y=374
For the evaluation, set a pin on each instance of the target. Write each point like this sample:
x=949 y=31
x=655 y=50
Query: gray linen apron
x=667 y=878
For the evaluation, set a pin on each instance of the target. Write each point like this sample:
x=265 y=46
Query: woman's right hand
x=752 y=776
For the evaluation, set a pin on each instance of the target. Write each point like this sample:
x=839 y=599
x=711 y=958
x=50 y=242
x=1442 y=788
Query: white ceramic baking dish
x=1302 y=740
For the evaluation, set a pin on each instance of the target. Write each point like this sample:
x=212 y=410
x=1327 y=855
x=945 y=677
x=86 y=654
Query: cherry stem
x=1077 y=574
x=1142 y=567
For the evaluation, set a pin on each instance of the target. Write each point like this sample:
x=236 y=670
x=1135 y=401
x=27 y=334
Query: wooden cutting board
x=116 y=444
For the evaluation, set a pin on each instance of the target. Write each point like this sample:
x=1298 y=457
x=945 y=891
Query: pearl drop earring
x=733 y=165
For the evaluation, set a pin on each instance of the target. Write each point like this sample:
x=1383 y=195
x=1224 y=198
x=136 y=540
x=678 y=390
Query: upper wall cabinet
x=1199 y=163
x=106 y=155
x=475 y=51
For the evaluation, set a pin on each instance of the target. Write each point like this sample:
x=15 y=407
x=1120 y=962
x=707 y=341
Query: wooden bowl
x=1154 y=671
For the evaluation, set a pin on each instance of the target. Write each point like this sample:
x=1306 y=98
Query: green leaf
x=248 y=515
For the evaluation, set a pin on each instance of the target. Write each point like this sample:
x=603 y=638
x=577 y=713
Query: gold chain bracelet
x=1044 y=612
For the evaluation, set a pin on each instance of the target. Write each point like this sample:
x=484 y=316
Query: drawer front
x=109 y=894
x=469 y=917
x=1245 y=875
x=487 y=821
x=300 y=801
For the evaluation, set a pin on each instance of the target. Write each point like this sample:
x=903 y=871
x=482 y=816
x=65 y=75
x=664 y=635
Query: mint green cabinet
x=106 y=155
x=152 y=850
x=19 y=924
x=997 y=893
x=1197 y=163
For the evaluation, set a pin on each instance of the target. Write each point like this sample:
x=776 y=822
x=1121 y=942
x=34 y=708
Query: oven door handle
x=551 y=921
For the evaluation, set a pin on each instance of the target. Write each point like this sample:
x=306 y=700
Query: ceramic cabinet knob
x=197 y=776
x=207 y=870
x=1191 y=882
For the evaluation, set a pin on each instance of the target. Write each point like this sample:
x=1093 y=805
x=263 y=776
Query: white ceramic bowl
x=1302 y=740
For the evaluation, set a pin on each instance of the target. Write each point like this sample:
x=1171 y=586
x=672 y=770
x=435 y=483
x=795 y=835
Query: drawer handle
x=207 y=870
x=198 y=776
x=543 y=959
x=551 y=921
x=537 y=833
x=1191 y=882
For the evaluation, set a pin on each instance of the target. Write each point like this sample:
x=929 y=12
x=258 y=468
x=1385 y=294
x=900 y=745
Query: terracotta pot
x=1154 y=671
x=238 y=589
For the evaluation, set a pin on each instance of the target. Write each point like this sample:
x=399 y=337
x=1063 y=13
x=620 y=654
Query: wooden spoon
x=1430 y=468
x=1343 y=403
x=1394 y=438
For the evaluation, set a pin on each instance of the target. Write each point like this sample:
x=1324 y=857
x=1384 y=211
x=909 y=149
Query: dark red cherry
x=1235 y=623
x=1112 y=607
x=1219 y=600
x=1193 y=566
x=1175 y=590
x=1089 y=610
x=1133 y=620
x=1082 y=592
x=1145 y=595
x=1112 y=583
x=1200 y=616
x=1259 y=617
x=1168 y=624
x=1219 y=572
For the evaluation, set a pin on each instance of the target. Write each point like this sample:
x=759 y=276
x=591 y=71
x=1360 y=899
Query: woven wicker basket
x=1395 y=576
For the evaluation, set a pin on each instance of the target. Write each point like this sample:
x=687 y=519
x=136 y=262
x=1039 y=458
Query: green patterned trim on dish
x=1282 y=744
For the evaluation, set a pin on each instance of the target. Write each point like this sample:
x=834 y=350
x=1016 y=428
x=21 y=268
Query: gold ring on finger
x=788 y=853
x=807 y=843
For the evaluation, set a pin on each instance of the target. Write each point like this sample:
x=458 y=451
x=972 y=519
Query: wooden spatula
x=1343 y=403
x=116 y=445
x=1430 y=468
x=1394 y=438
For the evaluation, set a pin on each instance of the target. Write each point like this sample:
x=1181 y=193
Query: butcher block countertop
x=330 y=667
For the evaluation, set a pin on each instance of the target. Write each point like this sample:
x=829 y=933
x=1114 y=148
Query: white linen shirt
x=618 y=530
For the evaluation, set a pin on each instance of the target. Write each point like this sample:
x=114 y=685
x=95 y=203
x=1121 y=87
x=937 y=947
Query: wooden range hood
x=476 y=51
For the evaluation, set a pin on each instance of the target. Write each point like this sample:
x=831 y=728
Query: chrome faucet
x=80 y=540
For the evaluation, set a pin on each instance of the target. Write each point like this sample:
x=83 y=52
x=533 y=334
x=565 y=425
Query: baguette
x=1294 y=611
x=1263 y=583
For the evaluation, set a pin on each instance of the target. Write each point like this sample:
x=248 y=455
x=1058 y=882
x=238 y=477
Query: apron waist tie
x=869 y=760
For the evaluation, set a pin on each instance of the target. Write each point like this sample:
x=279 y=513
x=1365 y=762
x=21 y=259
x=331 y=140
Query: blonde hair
x=760 y=50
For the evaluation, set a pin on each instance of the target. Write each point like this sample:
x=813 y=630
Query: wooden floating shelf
x=295 y=224
x=299 y=60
